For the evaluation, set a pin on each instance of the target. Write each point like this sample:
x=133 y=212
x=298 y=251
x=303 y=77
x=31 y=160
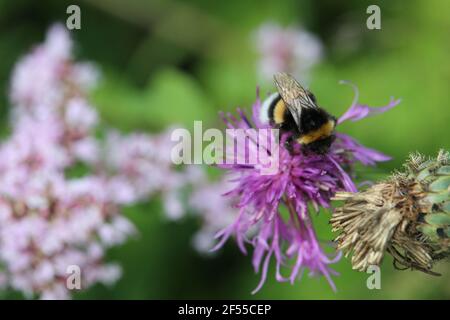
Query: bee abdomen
x=324 y=131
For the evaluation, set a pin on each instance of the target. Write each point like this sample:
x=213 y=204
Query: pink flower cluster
x=50 y=220
x=141 y=167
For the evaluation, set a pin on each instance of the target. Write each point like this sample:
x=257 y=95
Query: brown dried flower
x=408 y=216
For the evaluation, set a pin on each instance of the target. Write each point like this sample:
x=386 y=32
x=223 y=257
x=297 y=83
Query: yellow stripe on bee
x=323 y=132
x=279 y=111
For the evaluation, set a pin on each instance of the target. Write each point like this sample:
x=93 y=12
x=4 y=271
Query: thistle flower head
x=274 y=209
x=407 y=216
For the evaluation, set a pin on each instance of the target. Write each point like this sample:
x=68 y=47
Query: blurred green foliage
x=173 y=62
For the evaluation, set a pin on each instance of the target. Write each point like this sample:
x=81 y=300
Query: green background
x=166 y=62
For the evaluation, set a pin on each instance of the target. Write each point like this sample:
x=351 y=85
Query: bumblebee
x=294 y=110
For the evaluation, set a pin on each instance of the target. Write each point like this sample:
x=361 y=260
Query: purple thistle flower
x=302 y=180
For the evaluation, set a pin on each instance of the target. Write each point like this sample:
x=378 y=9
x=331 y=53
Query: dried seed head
x=408 y=216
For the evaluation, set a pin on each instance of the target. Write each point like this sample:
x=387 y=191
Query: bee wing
x=295 y=96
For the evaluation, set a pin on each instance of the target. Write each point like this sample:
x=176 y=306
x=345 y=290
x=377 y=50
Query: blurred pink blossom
x=142 y=167
x=49 y=221
x=215 y=210
x=286 y=49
